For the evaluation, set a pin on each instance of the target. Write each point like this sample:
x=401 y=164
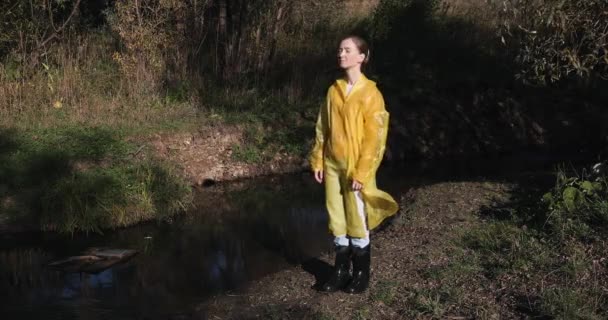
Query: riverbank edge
x=198 y=159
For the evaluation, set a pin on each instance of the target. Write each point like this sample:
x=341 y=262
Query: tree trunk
x=220 y=51
x=275 y=32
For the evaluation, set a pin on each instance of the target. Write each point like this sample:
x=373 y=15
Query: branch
x=65 y=23
x=50 y=9
x=526 y=30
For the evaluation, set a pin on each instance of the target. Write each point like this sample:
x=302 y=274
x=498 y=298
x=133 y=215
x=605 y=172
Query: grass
x=449 y=289
x=384 y=291
x=362 y=313
x=571 y=303
x=506 y=248
x=247 y=153
x=521 y=256
x=429 y=302
x=80 y=83
x=66 y=164
x=561 y=265
x=86 y=179
x=272 y=123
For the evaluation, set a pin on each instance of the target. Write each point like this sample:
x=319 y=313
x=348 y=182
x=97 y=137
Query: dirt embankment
x=207 y=155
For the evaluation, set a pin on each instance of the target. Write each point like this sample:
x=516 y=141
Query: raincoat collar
x=342 y=84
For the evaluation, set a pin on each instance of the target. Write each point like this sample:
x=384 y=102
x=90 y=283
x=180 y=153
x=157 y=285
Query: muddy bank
x=207 y=155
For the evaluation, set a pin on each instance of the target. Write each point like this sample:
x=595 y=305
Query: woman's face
x=349 y=55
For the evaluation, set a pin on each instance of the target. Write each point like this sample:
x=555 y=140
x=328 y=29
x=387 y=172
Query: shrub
x=556 y=40
x=151 y=32
x=28 y=27
x=577 y=206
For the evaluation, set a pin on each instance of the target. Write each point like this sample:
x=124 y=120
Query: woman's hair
x=361 y=45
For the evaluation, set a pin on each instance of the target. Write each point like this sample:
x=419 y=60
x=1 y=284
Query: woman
x=350 y=140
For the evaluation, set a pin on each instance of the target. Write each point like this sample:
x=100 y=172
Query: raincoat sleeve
x=316 y=155
x=375 y=127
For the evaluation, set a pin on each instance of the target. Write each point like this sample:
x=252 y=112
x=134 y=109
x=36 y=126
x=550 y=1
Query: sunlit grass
x=83 y=179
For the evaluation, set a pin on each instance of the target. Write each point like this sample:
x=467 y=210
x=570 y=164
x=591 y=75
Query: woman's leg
x=364 y=241
x=337 y=225
x=334 y=200
x=361 y=255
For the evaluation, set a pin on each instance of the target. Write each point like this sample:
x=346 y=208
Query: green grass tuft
x=570 y=304
x=385 y=292
x=505 y=247
x=83 y=179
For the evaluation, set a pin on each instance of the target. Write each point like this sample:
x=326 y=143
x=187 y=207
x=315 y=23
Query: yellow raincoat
x=350 y=141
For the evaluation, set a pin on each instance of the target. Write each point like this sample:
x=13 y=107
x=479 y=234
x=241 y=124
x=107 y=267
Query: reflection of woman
x=350 y=139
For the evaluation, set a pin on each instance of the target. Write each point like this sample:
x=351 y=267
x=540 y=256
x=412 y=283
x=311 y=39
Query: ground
x=420 y=240
x=208 y=155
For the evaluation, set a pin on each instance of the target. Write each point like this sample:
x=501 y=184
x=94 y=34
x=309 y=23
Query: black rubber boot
x=361 y=261
x=340 y=275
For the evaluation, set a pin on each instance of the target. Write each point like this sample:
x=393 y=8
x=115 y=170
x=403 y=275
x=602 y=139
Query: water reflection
x=239 y=232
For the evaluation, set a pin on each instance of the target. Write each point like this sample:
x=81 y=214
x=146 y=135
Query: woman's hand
x=357 y=185
x=319 y=176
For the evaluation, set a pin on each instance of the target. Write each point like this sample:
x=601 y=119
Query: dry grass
x=358 y=8
x=482 y=13
x=80 y=83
